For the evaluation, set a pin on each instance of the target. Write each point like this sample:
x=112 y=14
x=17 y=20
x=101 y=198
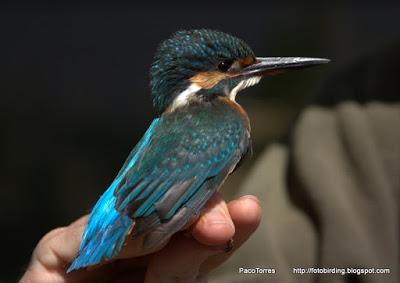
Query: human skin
x=188 y=256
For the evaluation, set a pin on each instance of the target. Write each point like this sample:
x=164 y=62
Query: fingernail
x=254 y=198
x=229 y=246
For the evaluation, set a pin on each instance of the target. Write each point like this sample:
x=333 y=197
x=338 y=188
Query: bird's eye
x=224 y=65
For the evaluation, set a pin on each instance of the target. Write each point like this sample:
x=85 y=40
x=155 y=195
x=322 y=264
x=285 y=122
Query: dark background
x=74 y=95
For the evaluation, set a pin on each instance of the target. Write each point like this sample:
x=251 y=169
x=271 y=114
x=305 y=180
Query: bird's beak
x=273 y=65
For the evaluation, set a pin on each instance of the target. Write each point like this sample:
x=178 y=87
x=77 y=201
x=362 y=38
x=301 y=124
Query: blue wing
x=107 y=228
x=185 y=149
x=182 y=159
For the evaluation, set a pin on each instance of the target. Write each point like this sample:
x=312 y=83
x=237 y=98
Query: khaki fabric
x=331 y=200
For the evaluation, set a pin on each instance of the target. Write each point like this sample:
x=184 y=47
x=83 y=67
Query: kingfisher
x=197 y=139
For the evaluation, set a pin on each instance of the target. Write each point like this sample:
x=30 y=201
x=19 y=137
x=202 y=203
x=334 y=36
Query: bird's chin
x=245 y=83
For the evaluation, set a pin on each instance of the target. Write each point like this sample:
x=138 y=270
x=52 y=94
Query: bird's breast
x=238 y=109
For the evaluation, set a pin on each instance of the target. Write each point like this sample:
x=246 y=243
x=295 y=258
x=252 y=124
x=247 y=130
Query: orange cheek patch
x=207 y=80
x=247 y=61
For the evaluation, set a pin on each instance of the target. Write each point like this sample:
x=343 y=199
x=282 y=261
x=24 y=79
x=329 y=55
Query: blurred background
x=74 y=94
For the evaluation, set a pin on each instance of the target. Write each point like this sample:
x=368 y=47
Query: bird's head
x=202 y=64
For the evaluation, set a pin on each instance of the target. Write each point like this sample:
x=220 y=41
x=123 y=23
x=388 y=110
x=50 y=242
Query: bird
x=197 y=139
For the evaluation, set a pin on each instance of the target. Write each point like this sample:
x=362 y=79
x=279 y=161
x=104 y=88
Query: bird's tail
x=105 y=233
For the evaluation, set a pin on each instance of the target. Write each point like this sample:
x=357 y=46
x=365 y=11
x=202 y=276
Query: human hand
x=188 y=257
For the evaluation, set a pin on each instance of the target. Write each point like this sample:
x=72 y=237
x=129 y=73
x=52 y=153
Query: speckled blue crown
x=185 y=54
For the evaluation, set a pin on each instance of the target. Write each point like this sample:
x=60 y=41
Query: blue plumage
x=187 y=146
x=179 y=163
x=105 y=233
x=107 y=228
x=184 y=156
x=187 y=53
x=199 y=137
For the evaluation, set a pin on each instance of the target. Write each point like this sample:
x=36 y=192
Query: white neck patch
x=183 y=98
x=242 y=85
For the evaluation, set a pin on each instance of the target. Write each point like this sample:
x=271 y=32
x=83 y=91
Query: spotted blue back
x=186 y=147
x=171 y=173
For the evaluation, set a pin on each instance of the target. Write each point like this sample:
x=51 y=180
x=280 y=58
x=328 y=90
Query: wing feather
x=185 y=149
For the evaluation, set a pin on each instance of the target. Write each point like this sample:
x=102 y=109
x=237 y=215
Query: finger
x=179 y=261
x=213 y=229
x=53 y=253
x=214 y=226
x=246 y=216
x=61 y=245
